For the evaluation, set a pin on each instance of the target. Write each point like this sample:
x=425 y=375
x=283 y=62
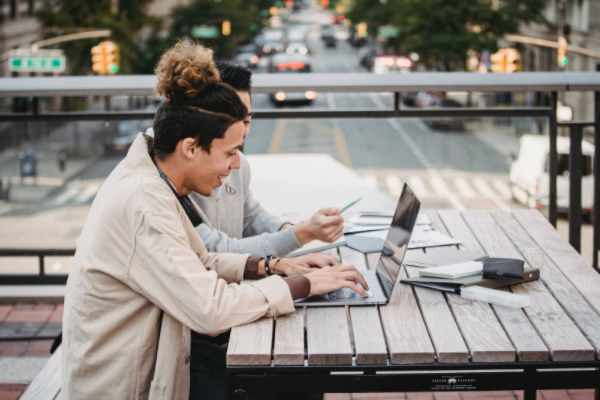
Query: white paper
x=459 y=270
x=383 y=219
x=422 y=236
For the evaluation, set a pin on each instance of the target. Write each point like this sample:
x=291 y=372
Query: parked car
x=291 y=64
x=530 y=178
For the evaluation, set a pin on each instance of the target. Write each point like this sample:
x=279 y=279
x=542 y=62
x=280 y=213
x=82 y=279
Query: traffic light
x=113 y=59
x=361 y=30
x=98 y=59
x=563 y=60
x=226 y=28
x=506 y=60
x=105 y=58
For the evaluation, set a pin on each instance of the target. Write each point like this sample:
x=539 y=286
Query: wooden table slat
x=580 y=311
x=527 y=342
x=483 y=333
x=289 y=339
x=570 y=262
x=328 y=337
x=369 y=341
x=250 y=344
x=372 y=260
x=353 y=257
x=407 y=337
x=561 y=336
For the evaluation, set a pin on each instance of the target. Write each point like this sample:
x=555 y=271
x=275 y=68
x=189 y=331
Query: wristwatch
x=267 y=269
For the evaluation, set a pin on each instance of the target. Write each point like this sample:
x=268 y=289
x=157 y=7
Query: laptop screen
x=396 y=243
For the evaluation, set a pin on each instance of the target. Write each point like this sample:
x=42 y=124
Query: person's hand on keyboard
x=328 y=279
x=304 y=264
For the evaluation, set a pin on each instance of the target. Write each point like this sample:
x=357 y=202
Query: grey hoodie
x=234 y=221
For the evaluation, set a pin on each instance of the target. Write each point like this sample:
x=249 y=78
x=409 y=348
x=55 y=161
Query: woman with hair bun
x=142 y=277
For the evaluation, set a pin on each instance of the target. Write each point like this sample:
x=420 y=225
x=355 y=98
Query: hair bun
x=185 y=71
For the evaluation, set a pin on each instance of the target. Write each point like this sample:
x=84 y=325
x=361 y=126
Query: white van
x=530 y=180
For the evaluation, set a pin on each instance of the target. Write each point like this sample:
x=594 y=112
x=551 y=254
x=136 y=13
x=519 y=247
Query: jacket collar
x=138 y=158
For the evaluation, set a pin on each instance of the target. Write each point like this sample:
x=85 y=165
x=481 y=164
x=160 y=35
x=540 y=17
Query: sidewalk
x=47 y=149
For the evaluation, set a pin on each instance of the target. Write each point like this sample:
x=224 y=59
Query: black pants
x=208 y=380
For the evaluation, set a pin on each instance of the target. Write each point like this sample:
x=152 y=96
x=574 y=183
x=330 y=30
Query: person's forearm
x=302 y=232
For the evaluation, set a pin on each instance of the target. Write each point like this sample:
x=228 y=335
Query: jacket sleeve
x=278 y=243
x=171 y=275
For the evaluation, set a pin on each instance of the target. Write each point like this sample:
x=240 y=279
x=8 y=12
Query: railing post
x=396 y=102
x=596 y=219
x=42 y=266
x=575 y=174
x=553 y=172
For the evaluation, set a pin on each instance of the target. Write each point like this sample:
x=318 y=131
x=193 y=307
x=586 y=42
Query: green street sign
x=31 y=63
x=388 y=31
x=205 y=32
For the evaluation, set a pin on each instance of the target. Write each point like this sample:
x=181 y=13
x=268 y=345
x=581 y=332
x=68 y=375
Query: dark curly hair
x=198 y=104
x=237 y=76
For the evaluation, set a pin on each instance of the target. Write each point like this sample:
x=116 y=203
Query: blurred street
x=448 y=168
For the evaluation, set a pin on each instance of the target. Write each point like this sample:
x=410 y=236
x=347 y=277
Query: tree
x=242 y=14
x=441 y=32
x=125 y=21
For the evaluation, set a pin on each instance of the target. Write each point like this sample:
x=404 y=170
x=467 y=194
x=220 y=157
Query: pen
x=349 y=205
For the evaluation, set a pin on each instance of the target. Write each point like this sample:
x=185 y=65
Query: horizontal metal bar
x=77 y=116
x=372 y=369
x=574 y=124
x=405 y=113
x=528 y=379
x=36 y=252
x=27 y=338
x=143 y=85
x=32 y=279
x=296 y=113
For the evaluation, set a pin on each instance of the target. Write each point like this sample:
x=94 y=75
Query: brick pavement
x=46 y=320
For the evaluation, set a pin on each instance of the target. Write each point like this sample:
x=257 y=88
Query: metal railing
x=547 y=82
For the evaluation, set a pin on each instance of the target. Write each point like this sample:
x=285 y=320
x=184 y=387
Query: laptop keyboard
x=347 y=293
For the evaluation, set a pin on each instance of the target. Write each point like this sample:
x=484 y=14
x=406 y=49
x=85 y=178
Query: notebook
x=454 y=285
x=442 y=257
x=454 y=271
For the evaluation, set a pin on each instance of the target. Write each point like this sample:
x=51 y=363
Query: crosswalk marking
x=394 y=185
x=443 y=189
x=66 y=195
x=483 y=188
x=88 y=193
x=503 y=188
x=487 y=192
x=418 y=186
x=464 y=188
x=454 y=190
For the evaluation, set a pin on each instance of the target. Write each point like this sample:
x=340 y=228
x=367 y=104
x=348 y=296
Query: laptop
x=381 y=281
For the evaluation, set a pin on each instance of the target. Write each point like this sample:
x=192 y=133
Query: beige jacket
x=140 y=280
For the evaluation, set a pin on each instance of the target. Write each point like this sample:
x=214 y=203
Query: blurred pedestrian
x=62 y=161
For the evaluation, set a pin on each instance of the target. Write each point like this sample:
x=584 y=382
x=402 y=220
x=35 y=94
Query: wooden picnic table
x=453 y=343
